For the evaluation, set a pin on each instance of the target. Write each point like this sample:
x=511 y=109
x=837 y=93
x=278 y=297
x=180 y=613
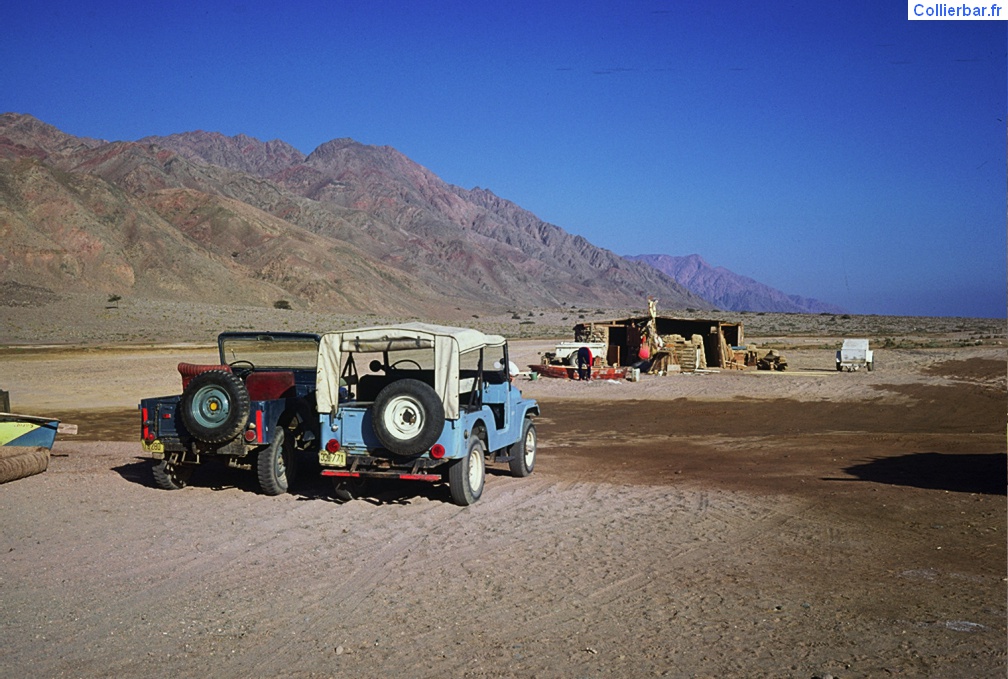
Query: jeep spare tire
x=407 y=417
x=215 y=406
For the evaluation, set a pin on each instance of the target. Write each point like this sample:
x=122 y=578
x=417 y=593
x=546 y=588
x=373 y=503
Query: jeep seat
x=369 y=386
x=269 y=385
x=191 y=370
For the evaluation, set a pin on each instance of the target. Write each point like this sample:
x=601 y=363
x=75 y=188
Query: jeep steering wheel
x=405 y=360
x=242 y=368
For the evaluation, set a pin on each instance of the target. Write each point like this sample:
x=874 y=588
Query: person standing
x=584 y=363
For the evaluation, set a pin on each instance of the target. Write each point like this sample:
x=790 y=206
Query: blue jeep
x=253 y=410
x=420 y=402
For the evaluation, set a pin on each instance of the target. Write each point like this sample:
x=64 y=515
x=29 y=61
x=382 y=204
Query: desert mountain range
x=730 y=291
x=200 y=216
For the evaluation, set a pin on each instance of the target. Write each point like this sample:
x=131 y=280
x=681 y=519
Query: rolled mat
x=17 y=462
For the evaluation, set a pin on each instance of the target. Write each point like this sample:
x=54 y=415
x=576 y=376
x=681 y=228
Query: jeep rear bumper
x=404 y=476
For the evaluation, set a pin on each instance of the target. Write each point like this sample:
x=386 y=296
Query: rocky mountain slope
x=730 y=291
x=351 y=228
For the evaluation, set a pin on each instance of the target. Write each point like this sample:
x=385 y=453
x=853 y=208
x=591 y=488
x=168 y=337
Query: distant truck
x=566 y=352
x=854 y=354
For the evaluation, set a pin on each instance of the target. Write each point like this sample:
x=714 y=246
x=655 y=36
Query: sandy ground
x=799 y=524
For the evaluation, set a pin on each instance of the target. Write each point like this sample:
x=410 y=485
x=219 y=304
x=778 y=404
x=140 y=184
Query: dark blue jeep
x=253 y=410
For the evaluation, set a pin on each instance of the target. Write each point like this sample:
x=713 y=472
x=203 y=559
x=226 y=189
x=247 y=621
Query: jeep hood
x=447 y=342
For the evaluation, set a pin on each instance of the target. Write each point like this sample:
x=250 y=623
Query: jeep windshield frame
x=287 y=350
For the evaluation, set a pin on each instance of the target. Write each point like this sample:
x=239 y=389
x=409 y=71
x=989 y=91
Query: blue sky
x=832 y=150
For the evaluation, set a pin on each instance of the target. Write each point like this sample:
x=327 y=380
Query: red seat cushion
x=191 y=370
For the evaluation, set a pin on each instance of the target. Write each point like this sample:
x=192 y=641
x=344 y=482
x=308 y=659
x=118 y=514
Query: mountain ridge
x=348 y=227
x=730 y=291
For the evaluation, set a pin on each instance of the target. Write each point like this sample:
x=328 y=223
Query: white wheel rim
x=403 y=418
x=530 y=448
x=475 y=467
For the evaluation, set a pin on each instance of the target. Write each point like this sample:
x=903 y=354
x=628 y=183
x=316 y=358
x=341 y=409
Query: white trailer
x=566 y=352
x=854 y=354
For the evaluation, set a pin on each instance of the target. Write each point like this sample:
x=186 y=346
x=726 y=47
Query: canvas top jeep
x=420 y=402
x=253 y=410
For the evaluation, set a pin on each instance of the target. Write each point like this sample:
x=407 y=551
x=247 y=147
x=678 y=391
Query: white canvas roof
x=447 y=342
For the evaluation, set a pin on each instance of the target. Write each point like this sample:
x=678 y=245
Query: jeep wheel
x=215 y=406
x=168 y=476
x=466 y=476
x=523 y=451
x=407 y=417
x=275 y=465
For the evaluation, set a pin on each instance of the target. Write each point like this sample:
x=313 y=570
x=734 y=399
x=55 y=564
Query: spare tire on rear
x=215 y=406
x=408 y=417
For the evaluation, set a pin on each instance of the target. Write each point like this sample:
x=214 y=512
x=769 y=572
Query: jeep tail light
x=145 y=432
x=437 y=452
x=332 y=446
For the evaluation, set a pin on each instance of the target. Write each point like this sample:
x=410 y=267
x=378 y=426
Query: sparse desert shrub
x=281 y=304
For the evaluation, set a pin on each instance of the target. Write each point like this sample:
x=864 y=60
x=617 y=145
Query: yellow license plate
x=154 y=446
x=337 y=459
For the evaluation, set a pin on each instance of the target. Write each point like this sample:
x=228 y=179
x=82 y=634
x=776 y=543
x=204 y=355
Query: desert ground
x=800 y=524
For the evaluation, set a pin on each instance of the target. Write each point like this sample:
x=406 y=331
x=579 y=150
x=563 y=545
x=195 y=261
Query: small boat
x=25 y=442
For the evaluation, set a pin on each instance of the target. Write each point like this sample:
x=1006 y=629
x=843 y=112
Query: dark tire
x=215 y=406
x=839 y=367
x=523 y=451
x=170 y=476
x=407 y=417
x=275 y=465
x=871 y=365
x=341 y=492
x=466 y=476
x=345 y=490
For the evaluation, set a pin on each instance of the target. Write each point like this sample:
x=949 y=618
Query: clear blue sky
x=832 y=150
